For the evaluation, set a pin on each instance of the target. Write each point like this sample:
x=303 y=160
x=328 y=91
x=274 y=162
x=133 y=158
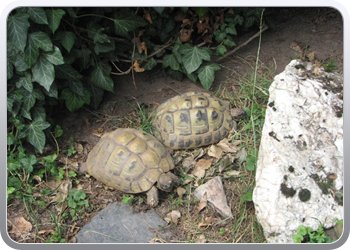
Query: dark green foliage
x=64 y=55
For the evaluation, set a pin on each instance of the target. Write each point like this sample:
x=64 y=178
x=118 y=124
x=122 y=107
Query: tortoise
x=132 y=161
x=194 y=119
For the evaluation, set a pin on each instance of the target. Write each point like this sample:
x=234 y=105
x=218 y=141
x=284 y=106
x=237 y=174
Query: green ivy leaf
x=31 y=54
x=74 y=101
x=38 y=112
x=28 y=163
x=126 y=22
x=36 y=135
x=193 y=57
x=50 y=158
x=249 y=21
x=20 y=64
x=67 y=72
x=104 y=47
x=220 y=36
x=43 y=73
x=177 y=75
x=159 y=9
x=201 y=11
x=150 y=64
x=231 y=29
x=170 y=60
x=67 y=39
x=193 y=76
x=96 y=95
x=229 y=42
x=25 y=82
x=54 y=17
x=100 y=77
x=221 y=49
x=9 y=69
x=12 y=164
x=37 y=14
x=206 y=75
x=17 y=28
x=85 y=58
x=97 y=34
x=55 y=57
x=76 y=87
x=41 y=40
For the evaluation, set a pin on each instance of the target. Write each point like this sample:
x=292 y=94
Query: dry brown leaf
x=21 y=225
x=62 y=191
x=201 y=239
x=215 y=151
x=231 y=173
x=185 y=22
x=316 y=71
x=148 y=17
x=226 y=146
x=188 y=178
x=141 y=47
x=227 y=161
x=180 y=16
x=242 y=155
x=202 y=203
x=198 y=172
x=173 y=216
x=201 y=224
x=188 y=162
x=37 y=178
x=180 y=191
x=204 y=163
x=311 y=55
x=78 y=147
x=185 y=35
x=137 y=67
x=198 y=153
x=73 y=165
x=48 y=231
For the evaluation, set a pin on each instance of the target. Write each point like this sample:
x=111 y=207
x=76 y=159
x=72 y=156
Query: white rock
x=301 y=147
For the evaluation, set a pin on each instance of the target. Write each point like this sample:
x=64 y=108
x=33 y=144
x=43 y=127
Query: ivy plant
x=66 y=57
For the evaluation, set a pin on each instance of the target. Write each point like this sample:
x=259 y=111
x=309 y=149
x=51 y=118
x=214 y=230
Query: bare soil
x=309 y=33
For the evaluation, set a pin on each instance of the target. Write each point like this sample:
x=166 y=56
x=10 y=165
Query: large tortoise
x=194 y=119
x=132 y=161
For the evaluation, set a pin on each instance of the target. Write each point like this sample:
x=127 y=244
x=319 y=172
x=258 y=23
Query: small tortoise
x=132 y=161
x=193 y=120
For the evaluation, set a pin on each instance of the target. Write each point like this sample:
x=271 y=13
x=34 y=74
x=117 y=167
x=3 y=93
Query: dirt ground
x=310 y=33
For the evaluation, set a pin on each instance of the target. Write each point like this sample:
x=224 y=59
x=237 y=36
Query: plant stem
x=254 y=82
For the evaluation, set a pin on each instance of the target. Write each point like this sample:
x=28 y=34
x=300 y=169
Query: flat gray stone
x=117 y=223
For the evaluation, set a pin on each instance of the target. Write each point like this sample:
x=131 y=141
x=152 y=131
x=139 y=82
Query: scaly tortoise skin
x=130 y=160
x=193 y=119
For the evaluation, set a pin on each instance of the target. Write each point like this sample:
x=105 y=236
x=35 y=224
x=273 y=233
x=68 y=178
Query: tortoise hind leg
x=152 y=197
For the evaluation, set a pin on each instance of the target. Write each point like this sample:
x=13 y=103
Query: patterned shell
x=129 y=160
x=192 y=120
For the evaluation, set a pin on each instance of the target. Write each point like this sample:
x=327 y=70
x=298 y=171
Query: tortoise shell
x=129 y=160
x=192 y=120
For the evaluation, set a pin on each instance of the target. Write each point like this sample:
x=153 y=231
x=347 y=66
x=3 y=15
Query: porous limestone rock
x=299 y=178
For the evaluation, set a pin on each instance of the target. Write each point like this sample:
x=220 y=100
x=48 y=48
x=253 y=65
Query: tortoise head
x=238 y=113
x=167 y=181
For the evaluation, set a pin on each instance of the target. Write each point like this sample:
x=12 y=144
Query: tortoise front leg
x=152 y=197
